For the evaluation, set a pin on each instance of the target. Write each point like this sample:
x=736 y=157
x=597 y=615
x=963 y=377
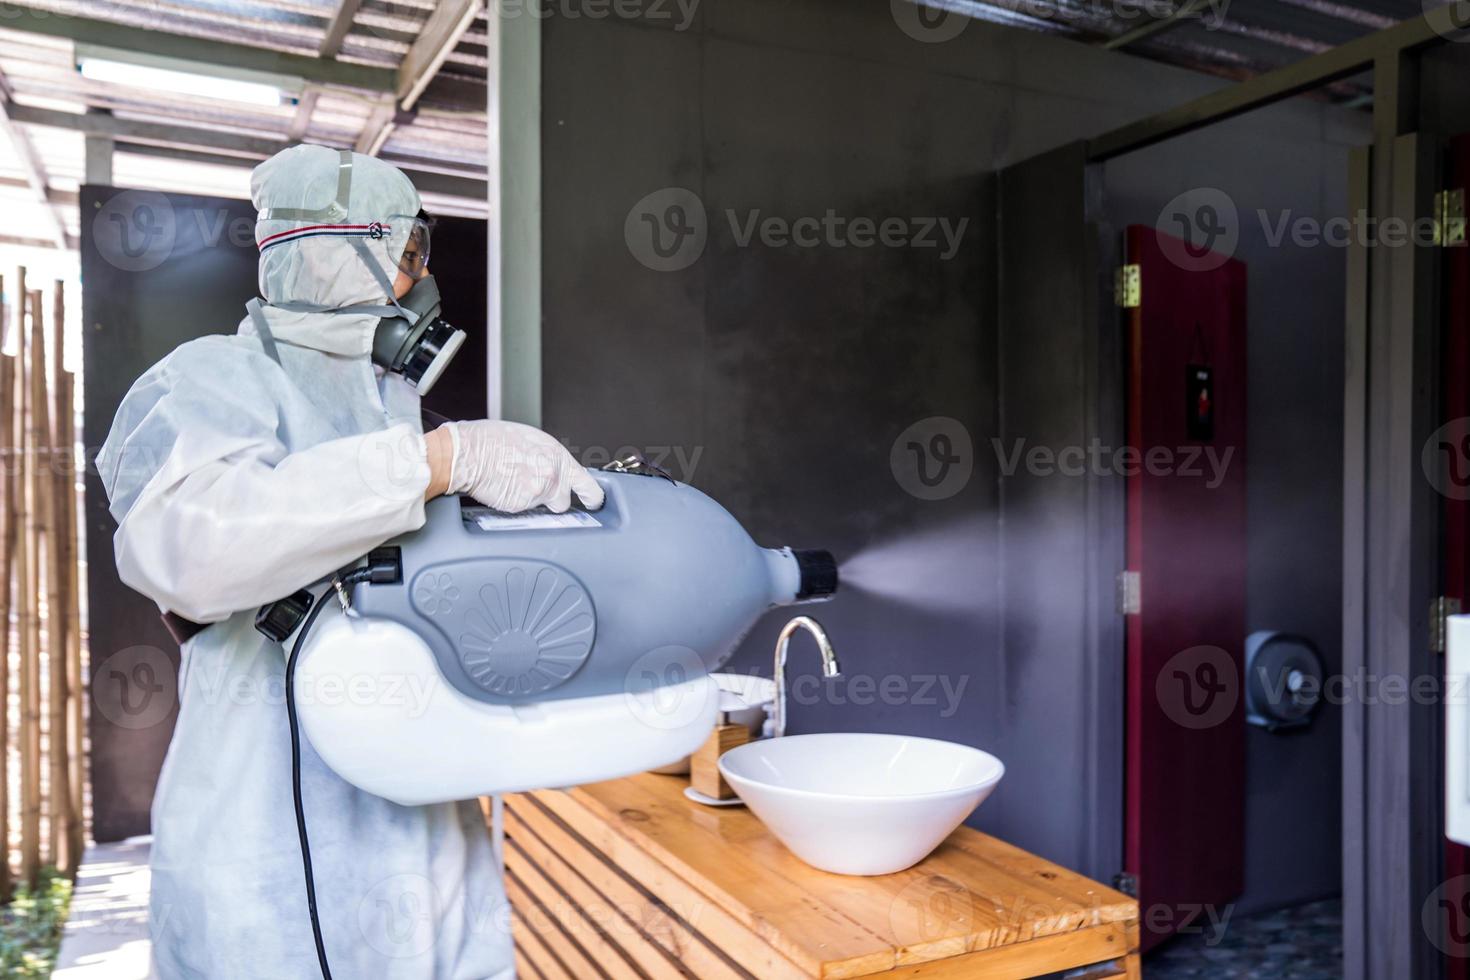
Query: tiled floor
x=1302 y=943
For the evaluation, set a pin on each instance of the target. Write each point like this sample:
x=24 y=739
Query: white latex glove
x=513 y=467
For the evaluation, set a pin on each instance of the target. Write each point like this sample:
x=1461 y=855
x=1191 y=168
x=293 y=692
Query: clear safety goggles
x=414 y=262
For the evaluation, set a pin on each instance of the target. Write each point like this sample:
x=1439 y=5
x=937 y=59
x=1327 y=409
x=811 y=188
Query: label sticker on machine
x=537 y=520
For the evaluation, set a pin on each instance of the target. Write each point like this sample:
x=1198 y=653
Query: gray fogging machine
x=490 y=653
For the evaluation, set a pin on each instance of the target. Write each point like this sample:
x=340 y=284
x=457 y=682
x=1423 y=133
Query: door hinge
x=1449 y=217
x=1130 y=600
x=1128 y=287
x=1126 y=883
x=1440 y=610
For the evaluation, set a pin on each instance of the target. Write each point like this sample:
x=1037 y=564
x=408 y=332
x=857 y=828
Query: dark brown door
x=1187 y=544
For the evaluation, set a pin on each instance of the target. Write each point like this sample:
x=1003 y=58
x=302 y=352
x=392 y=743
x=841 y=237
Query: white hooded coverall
x=236 y=481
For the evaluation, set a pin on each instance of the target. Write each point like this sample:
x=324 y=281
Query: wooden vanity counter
x=628 y=879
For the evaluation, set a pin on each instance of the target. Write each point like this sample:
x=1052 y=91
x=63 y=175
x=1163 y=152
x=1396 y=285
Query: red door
x=1456 y=496
x=1187 y=543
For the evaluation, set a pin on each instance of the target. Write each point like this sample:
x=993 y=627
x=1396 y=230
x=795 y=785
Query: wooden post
x=59 y=686
x=56 y=469
x=39 y=499
x=76 y=728
x=70 y=614
x=28 y=573
x=9 y=514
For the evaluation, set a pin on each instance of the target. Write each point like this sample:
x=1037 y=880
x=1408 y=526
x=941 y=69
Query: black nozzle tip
x=818 y=573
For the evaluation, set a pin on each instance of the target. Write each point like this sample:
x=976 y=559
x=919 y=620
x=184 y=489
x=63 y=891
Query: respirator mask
x=417 y=342
x=418 y=346
x=411 y=339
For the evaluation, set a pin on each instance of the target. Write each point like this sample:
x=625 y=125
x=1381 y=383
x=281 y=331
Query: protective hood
x=317 y=262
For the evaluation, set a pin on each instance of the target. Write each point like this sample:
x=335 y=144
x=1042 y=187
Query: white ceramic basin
x=859 y=804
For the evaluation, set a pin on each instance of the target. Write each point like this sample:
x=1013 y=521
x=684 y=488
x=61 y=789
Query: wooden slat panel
x=653 y=935
x=572 y=920
x=524 y=969
x=696 y=888
x=791 y=920
x=739 y=941
x=538 y=921
x=611 y=920
x=1025 y=897
x=656 y=920
x=1102 y=944
x=997 y=895
x=529 y=946
x=993 y=909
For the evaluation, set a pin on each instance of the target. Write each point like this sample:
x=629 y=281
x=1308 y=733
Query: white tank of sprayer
x=541 y=650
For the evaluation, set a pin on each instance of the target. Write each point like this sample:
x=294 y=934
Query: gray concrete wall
x=786 y=374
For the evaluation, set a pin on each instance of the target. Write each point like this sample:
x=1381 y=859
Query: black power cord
x=316 y=925
x=384 y=566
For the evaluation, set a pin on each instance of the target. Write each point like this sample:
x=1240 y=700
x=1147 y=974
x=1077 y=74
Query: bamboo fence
x=41 y=710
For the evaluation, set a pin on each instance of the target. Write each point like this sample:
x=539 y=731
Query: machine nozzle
x=818 y=571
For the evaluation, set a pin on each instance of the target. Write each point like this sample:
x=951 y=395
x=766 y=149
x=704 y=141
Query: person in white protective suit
x=241 y=469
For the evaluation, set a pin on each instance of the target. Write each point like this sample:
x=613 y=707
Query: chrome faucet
x=829 y=665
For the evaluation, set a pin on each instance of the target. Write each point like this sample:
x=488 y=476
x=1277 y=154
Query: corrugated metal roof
x=1233 y=38
x=444 y=133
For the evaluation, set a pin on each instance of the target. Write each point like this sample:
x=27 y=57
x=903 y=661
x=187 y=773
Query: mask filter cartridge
x=420 y=348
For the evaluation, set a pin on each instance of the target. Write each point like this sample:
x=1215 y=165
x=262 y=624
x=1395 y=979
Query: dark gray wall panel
x=633 y=366
x=135 y=313
x=1060 y=385
x=792 y=371
x=1444 y=97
